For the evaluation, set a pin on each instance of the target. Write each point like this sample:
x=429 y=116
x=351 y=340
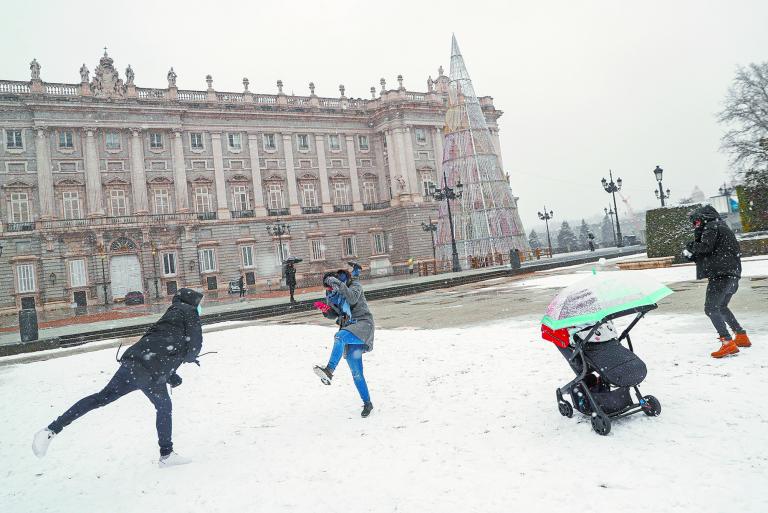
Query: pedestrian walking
x=150 y=366
x=591 y=241
x=718 y=258
x=241 y=285
x=290 y=279
x=410 y=265
x=345 y=303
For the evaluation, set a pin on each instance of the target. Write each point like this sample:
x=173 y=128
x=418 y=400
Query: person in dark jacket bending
x=150 y=366
x=718 y=258
x=290 y=278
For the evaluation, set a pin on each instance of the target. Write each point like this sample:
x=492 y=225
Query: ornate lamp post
x=609 y=213
x=660 y=193
x=448 y=194
x=724 y=191
x=546 y=216
x=278 y=230
x=612 y=188
x=431 y=228
x=154 y=266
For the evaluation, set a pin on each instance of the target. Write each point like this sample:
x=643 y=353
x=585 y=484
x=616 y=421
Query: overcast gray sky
x=584 y=85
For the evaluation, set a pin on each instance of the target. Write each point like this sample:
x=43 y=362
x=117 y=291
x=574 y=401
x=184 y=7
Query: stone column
x=138 y=174
x=438 y=147
x=416 y=192
x=394 y=167
x=92 y=174
x=402 y=166
x=44 y=175
x=290 y=170
x=258 y=191
x=218 y=174
x=180 y=172
x=353 y=178
x=325 y=193
x=378 y=150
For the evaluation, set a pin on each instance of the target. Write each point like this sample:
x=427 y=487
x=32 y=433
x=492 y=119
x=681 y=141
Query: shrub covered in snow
x=667 y=231
x=753 y=201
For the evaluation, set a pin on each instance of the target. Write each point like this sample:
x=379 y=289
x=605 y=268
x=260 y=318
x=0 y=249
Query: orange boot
x=728 y=347
x=742 y=340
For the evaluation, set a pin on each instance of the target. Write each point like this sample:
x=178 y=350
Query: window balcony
x=376 y=206
x=20 y=227
x=311 y=210
x=239 y=214
x=342 y=208
x=128 y=220
x=206 y=216
x=276 y=212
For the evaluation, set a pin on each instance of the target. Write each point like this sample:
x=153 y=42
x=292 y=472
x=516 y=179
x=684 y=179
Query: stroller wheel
x=652 y=406
x=566 y=410
x=601 y=424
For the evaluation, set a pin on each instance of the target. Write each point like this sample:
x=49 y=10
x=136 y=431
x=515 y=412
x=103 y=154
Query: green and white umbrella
x=601 y=294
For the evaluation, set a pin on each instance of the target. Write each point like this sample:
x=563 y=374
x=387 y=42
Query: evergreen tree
x=566 y=239
x=606 y=232
x=583 y=235
x=533 y=240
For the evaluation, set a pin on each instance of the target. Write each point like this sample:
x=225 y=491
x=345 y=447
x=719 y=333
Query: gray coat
x=362 y=327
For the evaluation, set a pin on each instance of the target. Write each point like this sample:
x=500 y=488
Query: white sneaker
x=173 y=459
x=41 y=441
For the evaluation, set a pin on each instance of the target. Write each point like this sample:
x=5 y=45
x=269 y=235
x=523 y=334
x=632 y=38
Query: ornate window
x=156 y=140
x=112 y=141
x=302 y=141
x=246 y=254
x=207 y=260
x=240 y=200
x=333 y=142
x=282 y=250
x=78 y=277
x=19 y=207
x=317 y=249
x=370 y=193
x=379 y=243
x=362 y=142
x=25 y=278
x=340 y=193
x=162 y=201
x=118 y=205
x=270 y=144
x=308 y=194
x=421 y=135
x=427 y=180
x=169 y=264
x=122 y=244
x=71 y=204
x=66 y=140
x=202 y=199
x=349 y=246
x=235 y=141
x=14 y=140
x=275 y=196
x=196 y=141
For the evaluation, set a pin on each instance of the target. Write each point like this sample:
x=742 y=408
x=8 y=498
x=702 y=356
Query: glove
x=322 y=306
x=174 y=380
x=333 y=282
x=687 y=254
x=356 y=271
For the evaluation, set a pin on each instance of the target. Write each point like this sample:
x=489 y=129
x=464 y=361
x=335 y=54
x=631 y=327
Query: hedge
x=668 y=229
x=753 y=201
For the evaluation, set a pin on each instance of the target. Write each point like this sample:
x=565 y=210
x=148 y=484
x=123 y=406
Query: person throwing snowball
x=345 y=303
x=150 y=366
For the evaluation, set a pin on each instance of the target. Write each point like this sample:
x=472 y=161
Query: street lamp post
x=278 y=230
x=609 y=213
x=103 y=257
x=546 y=216
x=660 y=194
x=154 y=266
x=431 y=228
x=724 y=191
x=612 y=188
x=448 y=194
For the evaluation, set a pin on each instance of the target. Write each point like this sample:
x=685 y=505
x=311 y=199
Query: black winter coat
x=174 y=339
x=290 y=275
x=715 y=248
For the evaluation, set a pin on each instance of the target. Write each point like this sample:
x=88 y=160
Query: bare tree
x=746 y=116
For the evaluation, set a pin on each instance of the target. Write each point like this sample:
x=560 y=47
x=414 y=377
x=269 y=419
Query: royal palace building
x=107 y=188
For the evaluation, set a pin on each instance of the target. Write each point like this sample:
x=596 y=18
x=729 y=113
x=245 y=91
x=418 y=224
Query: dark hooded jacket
x=174 y=339
x=715 y=248
x=290 y=275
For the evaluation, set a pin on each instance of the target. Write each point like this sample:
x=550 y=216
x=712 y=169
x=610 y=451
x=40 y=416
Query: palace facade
x=107 y=188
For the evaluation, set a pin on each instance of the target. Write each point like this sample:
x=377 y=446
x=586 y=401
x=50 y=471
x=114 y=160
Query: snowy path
x=465 y=421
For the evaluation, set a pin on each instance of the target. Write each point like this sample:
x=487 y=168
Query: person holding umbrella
x=290 y=275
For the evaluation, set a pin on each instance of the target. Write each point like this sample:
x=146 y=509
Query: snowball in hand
x=601 y=261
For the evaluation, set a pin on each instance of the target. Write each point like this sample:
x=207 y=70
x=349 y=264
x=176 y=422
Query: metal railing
x=376 y=206
x=20 y=227
x=137 y=219
x=342 y=208
x=206 y=216
x=275 y=212
x=311 y=210
x=238 y=214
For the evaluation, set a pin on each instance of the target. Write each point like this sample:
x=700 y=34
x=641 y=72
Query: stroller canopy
x=598 y=295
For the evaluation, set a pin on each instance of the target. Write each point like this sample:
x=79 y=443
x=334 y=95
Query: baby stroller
x=606 y=371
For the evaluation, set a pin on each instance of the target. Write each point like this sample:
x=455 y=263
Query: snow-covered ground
x=465 y=421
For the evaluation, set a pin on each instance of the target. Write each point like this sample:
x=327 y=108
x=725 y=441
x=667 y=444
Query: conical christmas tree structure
x=485 y=217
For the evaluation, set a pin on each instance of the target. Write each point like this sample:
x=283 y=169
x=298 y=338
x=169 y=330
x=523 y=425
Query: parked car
x=134 y=298
x=234 y=287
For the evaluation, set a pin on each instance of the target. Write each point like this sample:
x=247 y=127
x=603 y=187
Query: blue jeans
x=127 y=379
x=351 y=347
